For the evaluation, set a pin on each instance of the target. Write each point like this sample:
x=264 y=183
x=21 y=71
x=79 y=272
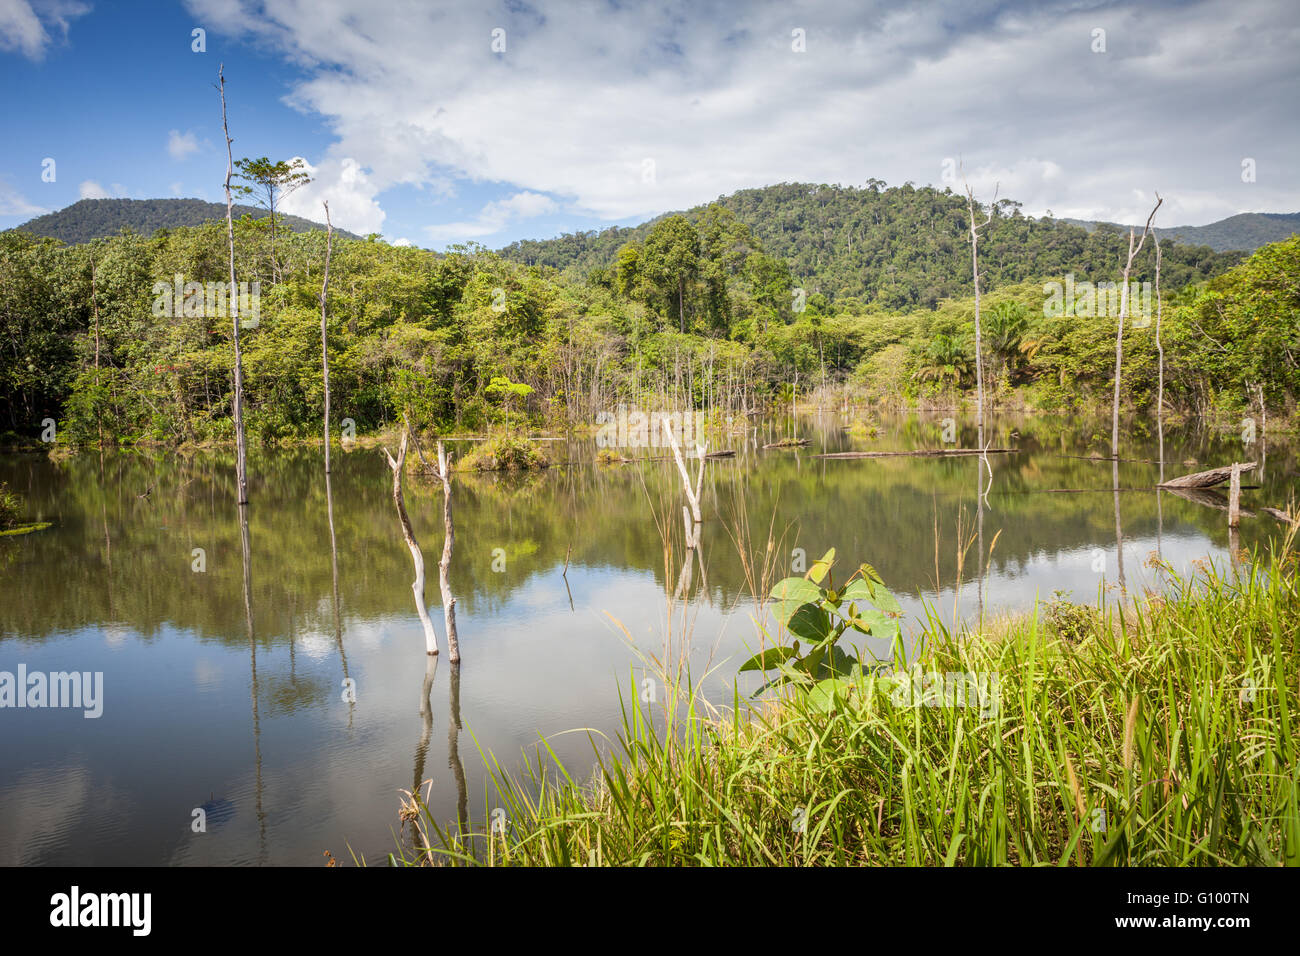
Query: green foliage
x=11 y=507
x=425 y=335
x=818 y=616
x=90 y=219
x=1072 y=622
x=1146 y=729
x=900 y=247
x=505 y=453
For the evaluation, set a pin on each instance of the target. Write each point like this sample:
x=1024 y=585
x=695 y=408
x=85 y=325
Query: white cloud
x=93 y=190
x=25 y=26
x=13 y=203
x=181 y=145
x=175 y=189
x=401 y=241
x=493 y=216
x=587 y=92
x=349 y=191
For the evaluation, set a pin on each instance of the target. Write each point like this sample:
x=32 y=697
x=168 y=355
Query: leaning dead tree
x=324 y=344
x=1123 y=313
x=1208 y=478
x=691 y=518
x=241 y=465
x=417 y=557
x=444 y=565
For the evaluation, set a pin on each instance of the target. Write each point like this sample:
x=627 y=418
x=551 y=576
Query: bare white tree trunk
x=324 y=344
x=975 y=272
x=1160 y=351
x=444 y=566
x=692 y=493
x=241 y=465
x=1123 y=313
x=417 y=558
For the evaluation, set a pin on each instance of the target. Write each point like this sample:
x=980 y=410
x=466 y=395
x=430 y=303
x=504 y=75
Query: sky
x=434 y=123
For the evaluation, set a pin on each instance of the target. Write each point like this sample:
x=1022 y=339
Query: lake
x=232 y=693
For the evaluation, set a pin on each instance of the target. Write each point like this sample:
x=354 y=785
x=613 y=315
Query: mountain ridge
x=89 y=219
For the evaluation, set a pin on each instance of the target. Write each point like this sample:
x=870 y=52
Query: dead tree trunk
x=975 y=272
x=1208 y=478
x=1123 y=312
x=417 y=558
x=324 y=344
x=241 y=465
x=691 y=517
x=1160 y=352
x=1234 y=497
x=444 y=566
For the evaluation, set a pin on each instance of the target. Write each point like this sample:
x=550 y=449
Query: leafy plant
x=507 y=390
x=10 y=507
x=818 y=615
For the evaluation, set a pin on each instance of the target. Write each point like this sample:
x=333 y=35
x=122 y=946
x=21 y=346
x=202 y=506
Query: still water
x=229 y=692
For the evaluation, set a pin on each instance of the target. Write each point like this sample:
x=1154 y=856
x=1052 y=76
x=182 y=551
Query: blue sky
x=434 y=123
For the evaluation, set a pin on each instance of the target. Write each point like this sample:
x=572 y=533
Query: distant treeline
x=91 y=219
x=694 y=312
x=900 y=247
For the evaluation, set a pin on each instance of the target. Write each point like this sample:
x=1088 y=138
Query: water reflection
x=110 y=587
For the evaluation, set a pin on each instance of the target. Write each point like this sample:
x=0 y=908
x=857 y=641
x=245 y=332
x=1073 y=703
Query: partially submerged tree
x=241 y=465
x=408 y=535
x=975 y=270
x=324 y=344
x=1123 y=313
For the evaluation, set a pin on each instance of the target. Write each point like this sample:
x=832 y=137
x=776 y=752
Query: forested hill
x=897 y=247
x=1247 y=230
x=95 y=218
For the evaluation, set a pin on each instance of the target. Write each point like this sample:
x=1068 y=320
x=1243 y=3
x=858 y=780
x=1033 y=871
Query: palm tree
x=1006 y=327
x=945 y=361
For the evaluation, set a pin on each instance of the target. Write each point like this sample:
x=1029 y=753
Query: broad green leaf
x=870 y=573
x=768 y=658
x=817 y=573
x=791 y=594
x=811 y=623
x=828 y=694
x=857 y=590
x=840 y=663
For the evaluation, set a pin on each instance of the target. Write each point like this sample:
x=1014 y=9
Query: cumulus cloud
x=13 y=203
x=493 y=216
x=90 y=189
x=180 y=145
x=26 y=27
x=349 y=191
x=622 y=111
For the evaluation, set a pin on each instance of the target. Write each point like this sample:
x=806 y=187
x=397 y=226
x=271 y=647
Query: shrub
x=506 y=453
x=10 y=507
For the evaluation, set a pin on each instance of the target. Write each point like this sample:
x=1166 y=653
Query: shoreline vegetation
x=692 y=313
x=1156 y=732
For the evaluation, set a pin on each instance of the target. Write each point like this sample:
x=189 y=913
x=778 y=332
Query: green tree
x=268 y=184
x=671 y=260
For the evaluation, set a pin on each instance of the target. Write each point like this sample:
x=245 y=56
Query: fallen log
x=725 y=453
x=1208 y=478
x=788 y=443
x=919 y=453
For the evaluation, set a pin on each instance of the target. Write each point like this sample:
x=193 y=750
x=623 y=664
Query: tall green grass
x=1161 y=734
